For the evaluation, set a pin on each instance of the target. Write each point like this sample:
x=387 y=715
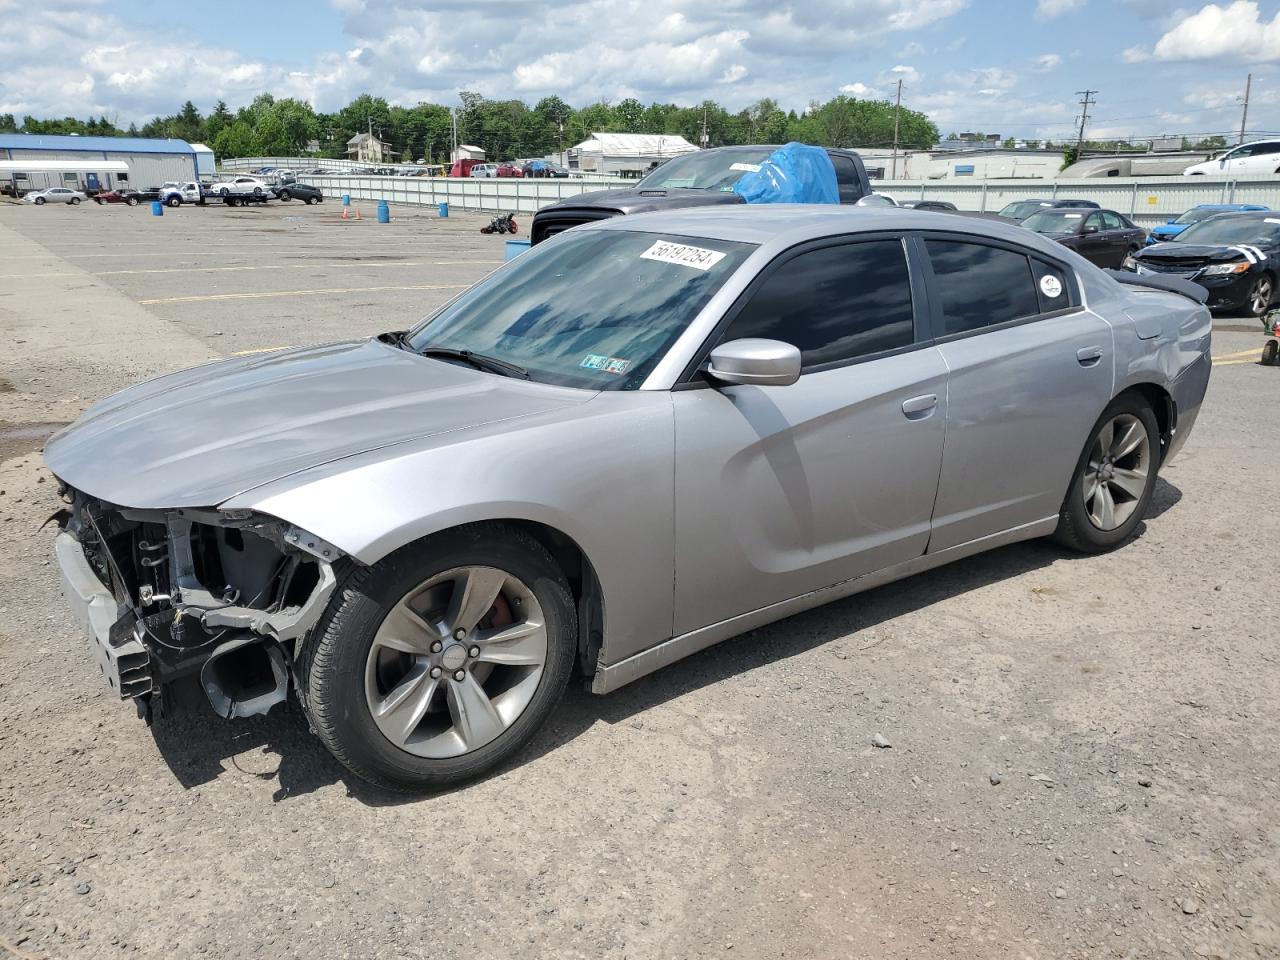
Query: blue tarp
x=794 y=173
x=539 y=165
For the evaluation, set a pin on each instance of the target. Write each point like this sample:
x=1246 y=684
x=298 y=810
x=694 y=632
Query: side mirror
x=1089 y=229
x=1222 y=162
x=765 y=363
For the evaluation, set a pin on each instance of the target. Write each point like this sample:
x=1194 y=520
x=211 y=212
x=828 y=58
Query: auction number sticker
x=745 y=167
x=1051 y=286
x=686 y=256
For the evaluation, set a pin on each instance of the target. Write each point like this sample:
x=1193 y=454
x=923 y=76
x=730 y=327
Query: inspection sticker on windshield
x=614 y=365
x=1051 y=286
x=687 y=256
x=745 y=167
x=1074 y=216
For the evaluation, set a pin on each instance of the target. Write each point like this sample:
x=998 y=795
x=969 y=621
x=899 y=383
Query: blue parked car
x=1202 y=211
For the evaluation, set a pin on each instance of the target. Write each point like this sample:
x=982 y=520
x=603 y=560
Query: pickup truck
x=691 y=180
x=176 y=194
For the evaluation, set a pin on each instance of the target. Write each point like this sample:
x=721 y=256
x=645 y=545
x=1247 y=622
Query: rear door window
x=976 y=285
x=1112 y=221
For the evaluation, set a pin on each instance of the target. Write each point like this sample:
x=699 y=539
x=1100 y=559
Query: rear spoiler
x=1187 y=288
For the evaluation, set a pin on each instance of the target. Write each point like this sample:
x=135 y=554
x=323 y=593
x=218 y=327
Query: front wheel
x=132 y=201
x=1260 y=295
x=286 y=195
x=1114 y=478
x=441 y=661
x=39 y=201
x=174 y=201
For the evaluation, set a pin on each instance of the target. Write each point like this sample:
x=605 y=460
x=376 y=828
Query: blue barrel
x=444 y=208
x=346 y=199
x=515 y=248
x=384 y=212
x=157 y=208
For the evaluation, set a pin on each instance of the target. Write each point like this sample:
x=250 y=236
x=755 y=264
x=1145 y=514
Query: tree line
x=506 y=129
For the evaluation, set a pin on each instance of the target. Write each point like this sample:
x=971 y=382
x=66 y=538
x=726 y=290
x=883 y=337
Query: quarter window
x=846 y=178
x=834 y=303
x=978 y=286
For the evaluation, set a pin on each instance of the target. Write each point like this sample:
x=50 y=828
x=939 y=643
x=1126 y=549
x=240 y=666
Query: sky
x=1012 y=67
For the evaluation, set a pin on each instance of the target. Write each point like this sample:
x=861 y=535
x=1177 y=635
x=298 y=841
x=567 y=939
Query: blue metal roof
x=39 y=141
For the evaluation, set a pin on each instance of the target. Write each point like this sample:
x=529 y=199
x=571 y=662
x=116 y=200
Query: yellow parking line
x=1239 y=353
x=245 y=353
x=1233 y=363
x=302 y=293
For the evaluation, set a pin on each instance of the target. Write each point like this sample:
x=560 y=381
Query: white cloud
x=1048 y=9
x=861 y=91
x=1047 y=62
x=1235 y=31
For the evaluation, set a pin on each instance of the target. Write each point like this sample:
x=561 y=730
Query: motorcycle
x=505 y=224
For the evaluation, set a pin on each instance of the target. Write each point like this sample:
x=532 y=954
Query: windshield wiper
x=478 y=360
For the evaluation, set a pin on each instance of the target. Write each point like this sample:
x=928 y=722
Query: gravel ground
x=1080 y=760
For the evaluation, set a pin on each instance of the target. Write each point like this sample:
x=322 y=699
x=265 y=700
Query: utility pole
x=704 y=125
x=1085 y=103
x=453 y=125
x=1244 y=116
x=897 y=104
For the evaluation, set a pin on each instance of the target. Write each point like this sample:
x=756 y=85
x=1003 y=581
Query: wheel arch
x=1162 y=405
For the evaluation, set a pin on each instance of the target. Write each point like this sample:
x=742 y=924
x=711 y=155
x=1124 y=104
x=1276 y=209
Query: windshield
x=594 y=309
x=1196 y=215
x=1054 y=221
x=706 y=170
x=1233 y=230
x=1022 y=208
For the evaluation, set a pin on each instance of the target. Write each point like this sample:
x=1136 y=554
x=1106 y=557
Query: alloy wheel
x=456 y=662
x=1260 y=297
x=1115 y=477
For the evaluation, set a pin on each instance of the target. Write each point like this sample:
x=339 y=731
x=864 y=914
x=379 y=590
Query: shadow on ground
x=197 y=745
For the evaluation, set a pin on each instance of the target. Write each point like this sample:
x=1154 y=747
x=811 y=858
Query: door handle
x=917 y=408
x=1088 y=356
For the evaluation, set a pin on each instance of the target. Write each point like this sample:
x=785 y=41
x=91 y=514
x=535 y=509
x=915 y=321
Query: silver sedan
x=643 y=437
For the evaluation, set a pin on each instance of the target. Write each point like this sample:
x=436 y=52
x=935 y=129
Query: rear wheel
x=1270 y=353
x=132 y=201
x=1114 y=478
x=442 y=660
x=74 y=201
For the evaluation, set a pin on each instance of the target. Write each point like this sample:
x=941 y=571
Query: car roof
x=786 y=224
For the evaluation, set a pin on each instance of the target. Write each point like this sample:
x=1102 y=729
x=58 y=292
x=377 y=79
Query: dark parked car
x=942 y=206
x=1234 y=257
x=300 y=191
x=696 y=179
x=1103 y=237
x=131 y=197
x=1021 y=209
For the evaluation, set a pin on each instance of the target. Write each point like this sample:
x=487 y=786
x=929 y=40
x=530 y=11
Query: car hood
x=636 y=200
x=202 y=436
x=1187 y=251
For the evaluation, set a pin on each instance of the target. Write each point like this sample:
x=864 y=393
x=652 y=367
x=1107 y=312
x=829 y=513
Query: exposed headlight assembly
x=1222 y=269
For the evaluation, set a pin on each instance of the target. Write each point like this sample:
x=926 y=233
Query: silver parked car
x=55 y=195
x=645 y=436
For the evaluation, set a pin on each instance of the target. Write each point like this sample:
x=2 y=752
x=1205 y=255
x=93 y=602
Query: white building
x=626 y=154
x=366 y=148
x=38 y=161
x=952 y=164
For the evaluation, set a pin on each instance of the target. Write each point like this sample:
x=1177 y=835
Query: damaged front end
x=165 y=594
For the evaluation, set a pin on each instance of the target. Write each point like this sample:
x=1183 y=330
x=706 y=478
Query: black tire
x=1270 y=353
x=39 y=201
x=224 y=193
x=311 y=200
x=132 y=201
x=174 y=201
x=75 y=201
x=1261 y=293
x=257 y=191
x=284 y=195
x=1075 y=527
x=332 y=664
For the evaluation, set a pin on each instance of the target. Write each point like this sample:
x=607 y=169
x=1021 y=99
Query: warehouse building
x=626 y=154
x=36 y=162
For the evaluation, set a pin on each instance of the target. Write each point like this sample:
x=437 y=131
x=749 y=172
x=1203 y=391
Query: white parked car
x=241 y=186
x=484 y=170
x=55 y=195
x=1262 y=156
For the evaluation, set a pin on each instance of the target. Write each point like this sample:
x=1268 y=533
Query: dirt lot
x=1084 y=751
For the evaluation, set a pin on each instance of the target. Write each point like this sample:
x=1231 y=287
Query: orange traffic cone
x=344 y=214
x=357 y=213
